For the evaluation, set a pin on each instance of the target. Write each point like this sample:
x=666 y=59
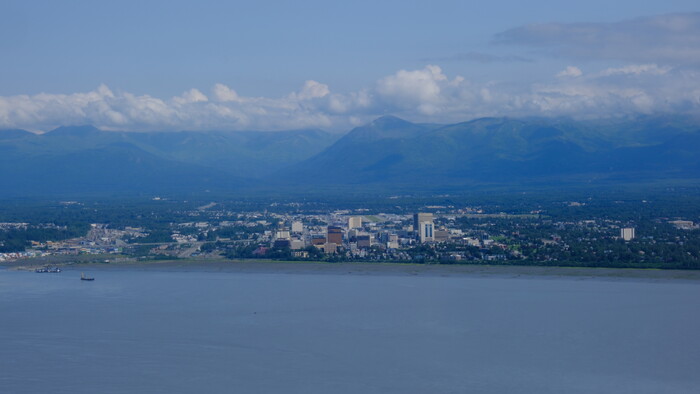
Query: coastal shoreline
x=366 y=268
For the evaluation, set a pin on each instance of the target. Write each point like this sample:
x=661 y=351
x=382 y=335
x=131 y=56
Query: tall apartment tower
x=426 y=232
x=423 y=226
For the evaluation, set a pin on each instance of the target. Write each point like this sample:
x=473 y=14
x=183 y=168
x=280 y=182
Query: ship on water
x=48 y=269
x=83 y=277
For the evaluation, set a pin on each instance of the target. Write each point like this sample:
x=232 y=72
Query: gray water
x=207 y=332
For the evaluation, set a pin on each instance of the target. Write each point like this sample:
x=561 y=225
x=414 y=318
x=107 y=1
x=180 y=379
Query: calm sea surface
x=205 y=332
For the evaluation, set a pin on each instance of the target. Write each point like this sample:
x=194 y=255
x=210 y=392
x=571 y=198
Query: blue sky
x=152 y=65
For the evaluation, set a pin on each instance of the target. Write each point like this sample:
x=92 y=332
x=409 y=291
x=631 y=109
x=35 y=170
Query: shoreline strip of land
x=364 y=268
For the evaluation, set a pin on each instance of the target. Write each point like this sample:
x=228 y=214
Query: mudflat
x=361 y=268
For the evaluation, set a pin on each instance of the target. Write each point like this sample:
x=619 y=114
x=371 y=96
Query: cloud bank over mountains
x=641 y=66
x=426 y=94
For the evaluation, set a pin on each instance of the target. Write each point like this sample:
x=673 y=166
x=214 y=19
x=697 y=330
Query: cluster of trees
x=17 y=240
x=559 y=240
x=252 y=250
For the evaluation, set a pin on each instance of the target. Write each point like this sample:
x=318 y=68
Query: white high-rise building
x=627 y=233
x=354 y=222
x=426 y=231
x=297 y=227
x=423 y=226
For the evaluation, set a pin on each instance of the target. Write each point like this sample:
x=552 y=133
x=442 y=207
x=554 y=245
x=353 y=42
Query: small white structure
x=297 y=227
x=282 y=234
x=683 y=224
x=627 y=233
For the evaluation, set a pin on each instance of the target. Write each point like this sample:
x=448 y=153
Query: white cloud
x=427 y=95
x=225 y=93
x=570 y=71
x=191 y=96
x=636 y=69
x=313 y=89
x=417 y=86
x=426 y=91
x=355 y=102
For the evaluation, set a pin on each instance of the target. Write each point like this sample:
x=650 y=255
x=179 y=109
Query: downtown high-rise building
x=424 y=227
x=335 y=235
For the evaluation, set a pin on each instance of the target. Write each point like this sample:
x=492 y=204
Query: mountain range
x=388 y=153
x=85 y=160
